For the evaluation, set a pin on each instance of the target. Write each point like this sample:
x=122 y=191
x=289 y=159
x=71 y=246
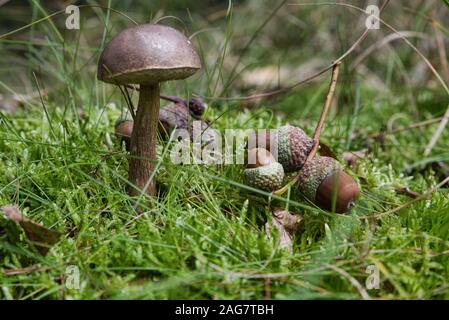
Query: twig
x=162 y=96
x=437 y=133
x=267 y=288
x=253 y=37
x=445 y=119
x=352 y=280
x=391 y=37
x=424 y=196
x=324 y=112
x=406 y=191
x=405 y=128
x=319 y=127
x=12 y=272
x=174 y=99
x=444 y=66
x=441 y=50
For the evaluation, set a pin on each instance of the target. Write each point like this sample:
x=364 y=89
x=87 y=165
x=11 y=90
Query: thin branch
x=438 y=132
x=441 y=50
x=405 y=128
x=352 y=280
x=423 y=196
x=325 y=111
x=382 y=42
x=406 y=191
x=253 y=37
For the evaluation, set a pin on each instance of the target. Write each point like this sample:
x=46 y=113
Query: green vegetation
x=204 y=237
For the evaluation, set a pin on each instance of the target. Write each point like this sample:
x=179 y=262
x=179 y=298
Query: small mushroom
x=124 y=130
x=263 y=172
x=146 y=55
x=352 y=157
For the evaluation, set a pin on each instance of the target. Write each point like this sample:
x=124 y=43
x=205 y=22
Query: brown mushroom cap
x=147 y=54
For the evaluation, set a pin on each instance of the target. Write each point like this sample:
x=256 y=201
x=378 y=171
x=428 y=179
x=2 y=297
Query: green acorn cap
x=323 y=181
x=265 y=174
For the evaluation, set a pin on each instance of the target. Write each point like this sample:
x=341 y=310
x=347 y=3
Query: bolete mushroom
x=146 y=55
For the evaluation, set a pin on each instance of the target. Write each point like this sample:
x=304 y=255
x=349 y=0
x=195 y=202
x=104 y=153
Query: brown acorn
x=197 y=107
x=174 y=115
x=323 y=181
x=200 y=130
x=263 y=171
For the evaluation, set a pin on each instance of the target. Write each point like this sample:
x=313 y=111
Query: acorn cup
x=323 y=181
x=290 y=143
x=262 y=171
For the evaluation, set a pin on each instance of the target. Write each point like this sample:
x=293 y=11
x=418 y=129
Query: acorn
x=323 y=181
x=201 y=129
x=173 y=115
x=123 y=131
x=293 y=146
x=263 y=171
x=197 y=107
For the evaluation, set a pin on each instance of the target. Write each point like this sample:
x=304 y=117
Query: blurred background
x=60 y=161
x=247 y=46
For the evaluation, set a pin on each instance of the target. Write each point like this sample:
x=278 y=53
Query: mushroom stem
x=143 y=141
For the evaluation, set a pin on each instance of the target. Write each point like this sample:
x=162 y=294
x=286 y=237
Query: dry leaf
x=286 y=223
x=326 y=151
x=39 y=235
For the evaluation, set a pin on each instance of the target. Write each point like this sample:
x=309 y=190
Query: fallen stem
x=405 y=128
x=424 y=196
